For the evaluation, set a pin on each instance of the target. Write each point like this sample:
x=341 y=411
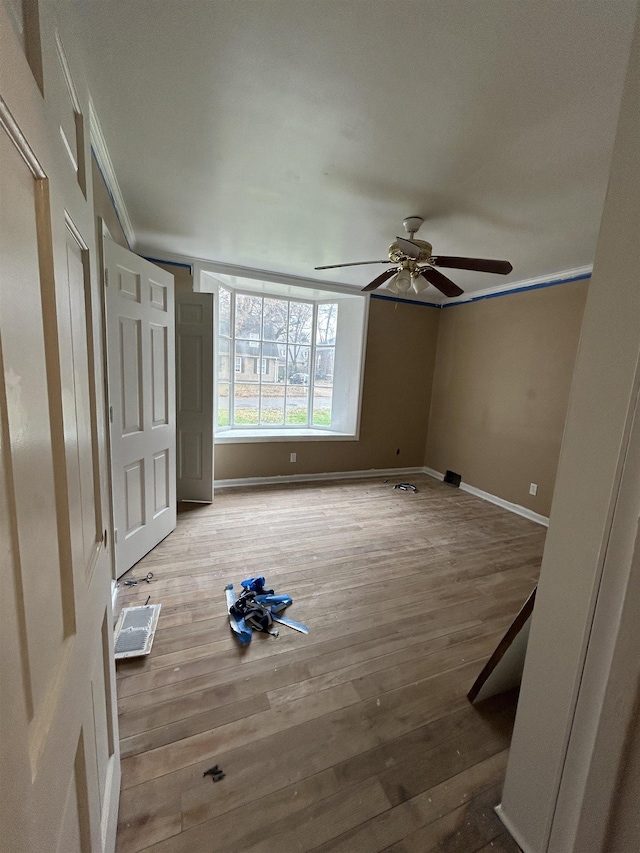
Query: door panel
x=55 y=590
x=141 y=365
x=87 y=519
x=194 y=375
x=28 y=428
x=130 y=354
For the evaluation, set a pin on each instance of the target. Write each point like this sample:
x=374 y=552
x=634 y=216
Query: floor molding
x=247 y=482
x=494 y=499
x=304 y=478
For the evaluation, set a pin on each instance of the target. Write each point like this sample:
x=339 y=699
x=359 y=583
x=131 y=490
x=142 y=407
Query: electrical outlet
x=292 y=457
x=533 y=489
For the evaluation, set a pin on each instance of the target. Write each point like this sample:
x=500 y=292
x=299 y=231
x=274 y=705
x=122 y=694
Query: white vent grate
x=135 y=630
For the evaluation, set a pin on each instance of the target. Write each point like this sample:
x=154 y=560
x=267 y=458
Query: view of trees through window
x=275 y=361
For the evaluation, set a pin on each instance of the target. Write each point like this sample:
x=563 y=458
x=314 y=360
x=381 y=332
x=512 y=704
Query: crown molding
x=105 y=164
x=562 y=277
x=200 y=265
x=205 y=265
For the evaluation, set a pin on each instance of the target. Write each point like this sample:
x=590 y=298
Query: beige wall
x=494 y=399
x=399 y=363
x=501 y=388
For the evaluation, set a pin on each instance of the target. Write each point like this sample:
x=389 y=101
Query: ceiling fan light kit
x=401 y=283
x=417 y=264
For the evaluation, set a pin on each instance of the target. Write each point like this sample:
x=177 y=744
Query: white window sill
x=244 y=436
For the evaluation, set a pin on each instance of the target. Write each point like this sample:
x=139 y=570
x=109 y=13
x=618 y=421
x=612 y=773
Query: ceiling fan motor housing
x=397 y=254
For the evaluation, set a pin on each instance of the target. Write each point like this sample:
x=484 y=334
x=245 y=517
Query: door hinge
x=110 y=414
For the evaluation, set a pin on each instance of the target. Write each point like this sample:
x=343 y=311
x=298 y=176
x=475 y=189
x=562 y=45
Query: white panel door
x=59 y=760
x=141 y=379
x=194 y=397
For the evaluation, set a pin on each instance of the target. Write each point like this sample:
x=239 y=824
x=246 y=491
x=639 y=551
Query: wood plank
x=402 y=820
x=235 y=829
x=356 y=737
x=206 y=745
x=463 y=830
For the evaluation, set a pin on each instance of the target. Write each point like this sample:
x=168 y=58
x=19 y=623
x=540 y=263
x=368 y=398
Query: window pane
x=274 y=321
x=223 y=404
x=223 y=360
x=297 y=405
x=298 y=364
x=322 y=406
x=245 y=404
x=300 y=322
x=248 y=316
x=327 y=324
x=224 y=312
x=325 y=358
x=274 y=362
x=272 y=405
x=247 y=361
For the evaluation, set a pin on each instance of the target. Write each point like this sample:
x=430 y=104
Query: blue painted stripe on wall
x=113 y=201
x=168 y=263
x=522 y=289
x=405 y=301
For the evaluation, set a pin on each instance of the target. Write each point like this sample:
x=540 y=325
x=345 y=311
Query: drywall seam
x=494 y=499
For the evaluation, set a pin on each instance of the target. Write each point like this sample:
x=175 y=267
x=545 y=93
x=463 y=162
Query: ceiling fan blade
x=380 y=279
x=355 y=264
x=444 y=284
x=411 y=250
x=475 y=264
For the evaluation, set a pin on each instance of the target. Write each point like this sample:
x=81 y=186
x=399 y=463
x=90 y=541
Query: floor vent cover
x=135 y=629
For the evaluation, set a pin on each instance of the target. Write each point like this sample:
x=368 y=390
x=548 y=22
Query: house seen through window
x=284 y=353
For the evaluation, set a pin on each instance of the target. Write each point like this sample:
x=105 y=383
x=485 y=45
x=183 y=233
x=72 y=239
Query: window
x=298 y=355
x=296 y=337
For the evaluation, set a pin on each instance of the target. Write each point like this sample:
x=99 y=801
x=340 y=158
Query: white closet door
x=141 y=379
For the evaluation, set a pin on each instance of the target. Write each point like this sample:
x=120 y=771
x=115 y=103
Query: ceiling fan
x=415 y=265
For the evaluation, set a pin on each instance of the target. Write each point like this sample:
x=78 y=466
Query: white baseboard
x=494 y=499
x=512 y=832
x=305 y=478
x=282 y=479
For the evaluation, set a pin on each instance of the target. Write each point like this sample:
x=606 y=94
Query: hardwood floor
x=357 y=737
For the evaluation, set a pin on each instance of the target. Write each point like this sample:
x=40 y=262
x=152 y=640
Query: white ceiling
x=285 y=134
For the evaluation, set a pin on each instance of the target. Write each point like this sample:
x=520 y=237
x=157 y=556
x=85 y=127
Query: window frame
x=351 y=345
